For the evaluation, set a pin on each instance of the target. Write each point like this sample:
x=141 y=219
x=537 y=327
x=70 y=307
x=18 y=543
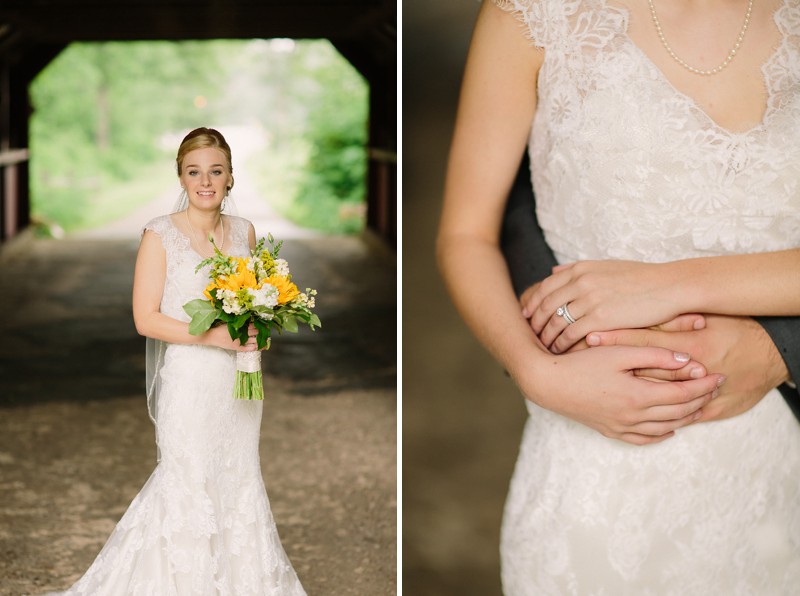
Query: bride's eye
x=217 y=172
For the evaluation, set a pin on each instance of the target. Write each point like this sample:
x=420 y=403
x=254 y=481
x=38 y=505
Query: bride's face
x=206 y=177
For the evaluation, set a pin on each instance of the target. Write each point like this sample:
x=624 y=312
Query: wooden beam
x=127 y=20
x=13 y=156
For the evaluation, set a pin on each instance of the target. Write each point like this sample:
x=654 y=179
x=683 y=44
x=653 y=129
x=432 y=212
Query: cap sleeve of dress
x=537 y=17
x=159 y=225
x=171 y=239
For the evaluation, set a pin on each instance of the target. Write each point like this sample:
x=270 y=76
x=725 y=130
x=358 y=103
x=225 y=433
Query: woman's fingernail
x=696 y=372
x=715 y=394
x=525 y=313
x=682 y=356
x=593 y=339
x=699 y=324
x=721 y=380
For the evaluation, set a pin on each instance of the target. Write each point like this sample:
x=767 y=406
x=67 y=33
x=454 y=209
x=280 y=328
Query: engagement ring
x=563 y=311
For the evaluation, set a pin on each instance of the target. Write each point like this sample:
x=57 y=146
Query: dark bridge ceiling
x=93 y=20
x=368 y=25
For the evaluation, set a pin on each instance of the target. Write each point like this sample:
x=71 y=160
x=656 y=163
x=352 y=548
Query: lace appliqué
x=686 y=187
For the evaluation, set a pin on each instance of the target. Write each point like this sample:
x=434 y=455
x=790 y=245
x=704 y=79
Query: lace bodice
x=664 y=181
x=182 y=283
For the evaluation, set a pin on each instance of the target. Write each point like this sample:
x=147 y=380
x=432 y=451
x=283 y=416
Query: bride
x=202 y=523
x=665 y=186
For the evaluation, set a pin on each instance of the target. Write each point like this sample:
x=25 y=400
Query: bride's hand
x=736 y=346
x=600 y=389
x=601 y=296
x=219 y=337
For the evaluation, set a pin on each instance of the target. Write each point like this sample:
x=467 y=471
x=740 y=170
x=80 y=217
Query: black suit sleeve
x=528 y=257
x=785 y=334
x=530 y=260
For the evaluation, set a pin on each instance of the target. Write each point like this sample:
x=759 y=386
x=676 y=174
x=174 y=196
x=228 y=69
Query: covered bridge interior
x=33 y=32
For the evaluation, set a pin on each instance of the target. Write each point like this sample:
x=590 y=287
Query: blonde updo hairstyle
x=203 y=138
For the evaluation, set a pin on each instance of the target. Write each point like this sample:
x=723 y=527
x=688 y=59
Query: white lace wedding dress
x=626 y=167
x=202 y=523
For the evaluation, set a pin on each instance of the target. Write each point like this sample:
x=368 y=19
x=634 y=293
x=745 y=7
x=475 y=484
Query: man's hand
x=737 y=347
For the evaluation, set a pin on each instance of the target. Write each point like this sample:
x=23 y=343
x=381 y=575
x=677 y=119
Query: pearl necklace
x=731 y=55
x=221 y=225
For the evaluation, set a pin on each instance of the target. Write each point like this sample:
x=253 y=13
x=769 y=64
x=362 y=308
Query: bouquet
x=255 y=290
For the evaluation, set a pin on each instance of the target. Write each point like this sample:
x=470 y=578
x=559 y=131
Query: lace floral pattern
x=202 y=523
x=687 y=186
x=627 y=167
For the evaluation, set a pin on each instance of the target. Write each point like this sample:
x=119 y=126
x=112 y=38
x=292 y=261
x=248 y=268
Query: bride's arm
x=606 y=295
x=148 y=287
x=595 y=387
x=493 y=118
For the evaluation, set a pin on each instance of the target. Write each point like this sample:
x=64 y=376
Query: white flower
x=282 y=267
x=305 y=300
x=230 y=304
x=267 y=296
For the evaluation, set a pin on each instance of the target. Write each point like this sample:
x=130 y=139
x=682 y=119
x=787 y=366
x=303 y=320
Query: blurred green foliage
x=103 y=113
x=314 y=166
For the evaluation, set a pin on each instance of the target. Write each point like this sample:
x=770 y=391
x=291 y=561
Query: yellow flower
x=287 y=291
x=243 y=278
x=210 y=288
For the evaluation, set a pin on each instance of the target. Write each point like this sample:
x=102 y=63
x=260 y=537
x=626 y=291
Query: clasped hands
x=651 y=369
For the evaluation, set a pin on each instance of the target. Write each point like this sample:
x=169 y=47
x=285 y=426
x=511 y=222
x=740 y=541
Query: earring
x=223 y=204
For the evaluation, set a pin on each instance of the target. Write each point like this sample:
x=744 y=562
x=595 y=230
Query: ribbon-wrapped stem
x=249 y=383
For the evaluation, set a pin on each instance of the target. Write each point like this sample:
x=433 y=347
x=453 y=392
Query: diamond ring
x=563 y=311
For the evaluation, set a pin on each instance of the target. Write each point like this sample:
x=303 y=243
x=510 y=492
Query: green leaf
x=203 y=315
x=290 y=324
x=262 y=339
x=243 y=337
x=314 y=321
x=241 y=320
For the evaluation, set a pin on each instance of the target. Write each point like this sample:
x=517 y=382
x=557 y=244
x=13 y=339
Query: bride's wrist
x=528 y=367
x=209 y=338
x=691 y=285
x=678 y=286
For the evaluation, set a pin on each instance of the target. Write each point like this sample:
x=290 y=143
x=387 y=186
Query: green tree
x=315 y=107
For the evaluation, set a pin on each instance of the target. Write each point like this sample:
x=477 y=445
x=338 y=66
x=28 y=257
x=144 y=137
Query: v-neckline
x=185 y=237
x=688 y=99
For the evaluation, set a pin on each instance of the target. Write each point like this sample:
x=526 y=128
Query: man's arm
x=785 y=334
x=530 y=260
